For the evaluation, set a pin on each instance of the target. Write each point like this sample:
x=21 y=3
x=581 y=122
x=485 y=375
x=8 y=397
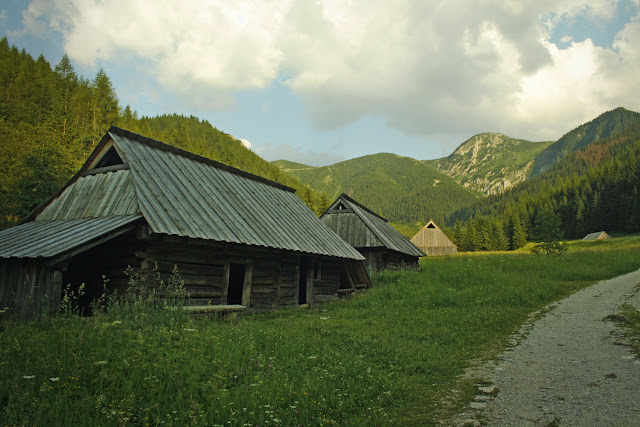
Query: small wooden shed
x=599 y=235
x=432 y=240
x=238 y=240
x=382 y=245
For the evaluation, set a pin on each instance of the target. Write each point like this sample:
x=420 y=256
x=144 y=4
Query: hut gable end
x=433 y=241
x=381 y=244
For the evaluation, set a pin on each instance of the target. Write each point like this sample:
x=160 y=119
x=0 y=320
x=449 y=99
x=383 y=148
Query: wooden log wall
x=327 y=282
x=271 y=276
x=289 y=281
x=378 y=259
x=29 y=289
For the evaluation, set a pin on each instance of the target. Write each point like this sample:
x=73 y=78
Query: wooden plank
x=225 y=283
x=277 y=285
x=246 y=288
x=191 y=268
x=106 y=169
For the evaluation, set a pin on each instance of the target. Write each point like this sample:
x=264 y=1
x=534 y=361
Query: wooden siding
x=352 y=229
x=378 y=259
x=29 y=289
x=433 y=241
x=271 y=278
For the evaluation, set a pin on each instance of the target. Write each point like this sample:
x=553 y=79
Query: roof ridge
x=192 y=156
x=362 y=206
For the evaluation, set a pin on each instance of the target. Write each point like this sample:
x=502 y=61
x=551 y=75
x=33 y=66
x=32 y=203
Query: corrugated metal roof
x=46 y=239
x=378 y=234
x=105 y=194
x=182 y=194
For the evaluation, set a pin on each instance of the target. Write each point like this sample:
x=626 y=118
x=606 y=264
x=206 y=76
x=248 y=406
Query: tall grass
x=385 y=357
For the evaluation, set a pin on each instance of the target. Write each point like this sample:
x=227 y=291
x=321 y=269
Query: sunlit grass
x=385 y=357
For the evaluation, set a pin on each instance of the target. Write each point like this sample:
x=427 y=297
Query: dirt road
x=572 y=368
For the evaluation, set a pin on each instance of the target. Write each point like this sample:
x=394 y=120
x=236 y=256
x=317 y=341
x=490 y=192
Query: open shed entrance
x=302 y=280
x=236 y=283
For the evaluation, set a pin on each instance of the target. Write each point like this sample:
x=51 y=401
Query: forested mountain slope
x=400 y=189
x=604 y=126
x=596 y=188
x=51 y=119
x=491 y=162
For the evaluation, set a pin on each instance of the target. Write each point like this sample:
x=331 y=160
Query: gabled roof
x=361 y=227
x=182 y=194
x=598 y=235
x=431 y=235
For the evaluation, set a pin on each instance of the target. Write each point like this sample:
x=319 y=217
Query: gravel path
x=573 y=368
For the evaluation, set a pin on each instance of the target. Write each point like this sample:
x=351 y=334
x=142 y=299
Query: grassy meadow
x=388 y=356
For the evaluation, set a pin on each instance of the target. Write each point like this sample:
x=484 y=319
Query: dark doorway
x=236 y=284
x=302 y=281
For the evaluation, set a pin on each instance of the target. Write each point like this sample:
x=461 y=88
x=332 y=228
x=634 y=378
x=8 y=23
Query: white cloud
x=245 y=142
x=426 y=67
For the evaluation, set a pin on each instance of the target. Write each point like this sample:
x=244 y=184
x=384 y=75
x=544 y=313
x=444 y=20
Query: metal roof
x=183 y=194
x=180 y=193
x=361 y=227
x=47 y=239
x=105 y=194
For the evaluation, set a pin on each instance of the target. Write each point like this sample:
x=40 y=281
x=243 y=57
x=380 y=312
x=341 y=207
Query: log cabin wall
x=29 y=289
x=271 y=278
x=378 y=259
x=266 y=278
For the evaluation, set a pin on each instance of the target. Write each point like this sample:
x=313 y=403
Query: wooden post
x=246 y=288
x=56 y=292
x=277 y=284
x=225 y=283
x=310 y=283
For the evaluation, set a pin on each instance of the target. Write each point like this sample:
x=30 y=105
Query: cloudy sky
x=319 y=81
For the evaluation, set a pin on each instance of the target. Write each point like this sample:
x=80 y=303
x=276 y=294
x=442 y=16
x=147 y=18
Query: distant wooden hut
x=238 y=240
x=599 y=235
x=382 y=245
x=432 y=240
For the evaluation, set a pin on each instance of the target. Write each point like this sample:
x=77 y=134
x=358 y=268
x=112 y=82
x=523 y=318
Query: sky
x=321 y=81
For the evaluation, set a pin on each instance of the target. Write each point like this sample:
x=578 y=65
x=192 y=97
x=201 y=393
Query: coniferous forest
x=51 y=119
x=592 y=189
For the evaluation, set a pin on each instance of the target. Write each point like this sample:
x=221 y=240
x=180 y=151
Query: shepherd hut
x=239 y=241
x=432 y=240
x=382 y=246
x=599 y=235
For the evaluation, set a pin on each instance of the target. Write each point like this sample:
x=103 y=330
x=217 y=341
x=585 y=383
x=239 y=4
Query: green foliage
x=50 y=120
x=550 y=248
x=385 y=357
x=486 y=161
x=592 y=189
x=401 y=189
x=547 y=226
x=603 y=127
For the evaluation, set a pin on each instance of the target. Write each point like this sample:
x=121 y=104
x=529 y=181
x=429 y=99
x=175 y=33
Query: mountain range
x=411 y=191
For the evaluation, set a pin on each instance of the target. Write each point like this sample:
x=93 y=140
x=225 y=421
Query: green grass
x=389 y=356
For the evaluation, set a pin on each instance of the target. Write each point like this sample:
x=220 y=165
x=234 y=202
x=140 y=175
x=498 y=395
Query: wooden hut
x=599 y=235
x=238 y=240
x=432 y=240
x=382 y=246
